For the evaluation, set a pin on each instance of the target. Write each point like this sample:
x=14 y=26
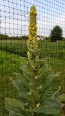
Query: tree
x=56 y=34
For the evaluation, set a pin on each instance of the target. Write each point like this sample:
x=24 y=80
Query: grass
x=9 y=63
x=10 y=58
x=47 y=49
x=15 y=46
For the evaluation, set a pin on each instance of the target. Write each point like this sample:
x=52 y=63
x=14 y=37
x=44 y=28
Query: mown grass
x=10 y=58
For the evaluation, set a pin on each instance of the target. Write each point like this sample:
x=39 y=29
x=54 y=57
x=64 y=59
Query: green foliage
x=16 y=47
x=47 y=49
x=56 y=34
x=62 y=98
x=34 y=83
x=19 y=38
x=6 y=37
x=35 y=91
x=9 y=63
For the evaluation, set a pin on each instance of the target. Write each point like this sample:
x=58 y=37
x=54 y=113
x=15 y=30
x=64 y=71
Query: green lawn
x=10 y=58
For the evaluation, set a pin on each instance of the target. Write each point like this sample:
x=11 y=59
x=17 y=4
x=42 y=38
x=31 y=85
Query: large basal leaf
x=55 y=93
x=50 y=106
x=50 y=78
x=14 y=114
x=41 y=78
x=20 y=86
x=14 y=105
x=48 y=86
x=42 y=70
x=27 y=69
x=45 y=92
x=25 y=113
x=21 y=77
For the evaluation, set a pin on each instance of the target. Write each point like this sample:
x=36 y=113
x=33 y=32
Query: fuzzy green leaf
x=14 y=114
x=21 y=86
x=14 y=105
x=50 y=106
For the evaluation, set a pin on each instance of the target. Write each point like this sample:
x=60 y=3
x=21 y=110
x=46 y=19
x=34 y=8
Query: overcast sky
x=14 y=16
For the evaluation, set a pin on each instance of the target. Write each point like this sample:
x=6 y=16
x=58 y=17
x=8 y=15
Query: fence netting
x=14 y=22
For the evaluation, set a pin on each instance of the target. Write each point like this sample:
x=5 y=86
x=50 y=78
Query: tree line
x=56 y=34
x=6 y=37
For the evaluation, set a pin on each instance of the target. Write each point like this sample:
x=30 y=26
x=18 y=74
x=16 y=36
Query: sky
x=14 y=16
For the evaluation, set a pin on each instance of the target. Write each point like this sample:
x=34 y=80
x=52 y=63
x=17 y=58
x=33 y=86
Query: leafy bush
x=56 y=34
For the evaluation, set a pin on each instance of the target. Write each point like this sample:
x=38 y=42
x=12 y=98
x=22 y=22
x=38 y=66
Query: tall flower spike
x=32 y=41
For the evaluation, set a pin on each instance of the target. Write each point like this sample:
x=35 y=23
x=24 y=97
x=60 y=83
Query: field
x=10 y=58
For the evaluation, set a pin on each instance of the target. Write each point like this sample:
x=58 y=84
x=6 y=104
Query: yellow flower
x=38 y=105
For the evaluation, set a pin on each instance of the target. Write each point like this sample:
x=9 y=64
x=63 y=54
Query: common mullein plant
x=34 y=83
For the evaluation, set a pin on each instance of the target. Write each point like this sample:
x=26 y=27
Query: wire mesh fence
x=14 y=21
